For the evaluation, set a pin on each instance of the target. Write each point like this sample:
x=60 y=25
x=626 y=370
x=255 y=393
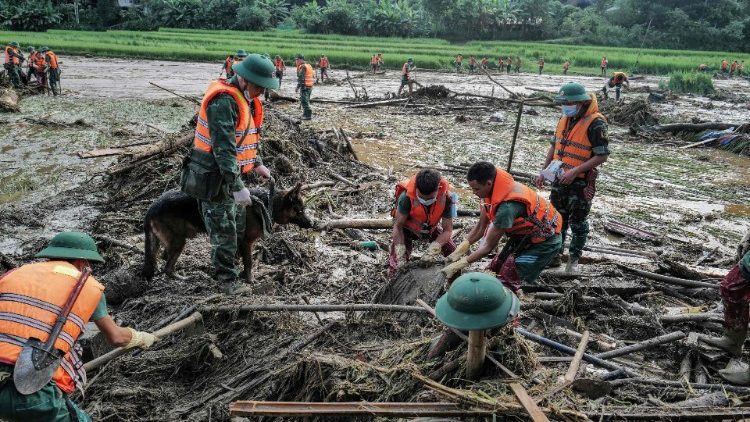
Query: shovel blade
x=34 y=367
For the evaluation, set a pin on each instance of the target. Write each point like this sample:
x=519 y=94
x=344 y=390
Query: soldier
x=406 y=79
x=305 y=81
x=280 y=67
x=12 y=64
x=53 y=70
x=616 y=81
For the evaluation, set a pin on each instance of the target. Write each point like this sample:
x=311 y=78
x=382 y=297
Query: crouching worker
x=31 y=298
x=425 y=209
x=509 y=208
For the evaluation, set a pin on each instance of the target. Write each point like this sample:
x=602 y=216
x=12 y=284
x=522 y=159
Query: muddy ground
x=693 y=200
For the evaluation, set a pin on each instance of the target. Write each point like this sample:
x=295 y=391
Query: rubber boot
x=736 y=372
x=731 y=342
x=572 y=266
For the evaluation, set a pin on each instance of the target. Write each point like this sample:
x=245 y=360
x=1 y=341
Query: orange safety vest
x=405 y=70
x=420 y=215
x=542 y=220
x=459 y=59
x=572 y=145
x=52 y=59
x=8 y=58
x=228 y=64
x=30 y=299
x=724 y=65
x=324 y=63
x=309 y=74
x=279 y=64
x=604 y=63
x=246 y=129
x=39 y=61
x=618 y=77
x=373 y=60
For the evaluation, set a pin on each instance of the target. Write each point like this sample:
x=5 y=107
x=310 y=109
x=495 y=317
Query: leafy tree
x=252 y=18
x=308 y=17
x=277 y=9
x=31 y=15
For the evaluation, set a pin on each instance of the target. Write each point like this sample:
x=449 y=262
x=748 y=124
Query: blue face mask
x=426 y=202
x=569 y=110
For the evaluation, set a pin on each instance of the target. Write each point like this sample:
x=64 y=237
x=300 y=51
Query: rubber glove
x=433 y=251
x=242 y=197
x=454 y=268
x=140 y=339
x=460 y=251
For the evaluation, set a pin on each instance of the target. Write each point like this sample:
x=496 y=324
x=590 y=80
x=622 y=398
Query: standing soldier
x=41 y=70
x=616 y=81
x=724 y=66
x=509 y=208
x=12 y=64
x=406 y=78
x=374 y=63
x=472 y=64
x=459 y=62
x=500 y=64
x=380 y=61
x=226 y=147
x=305 y=81
x=580 y=146
x=227 y=66
x=485 y=63
x=53 y=70
x=424 y=210
x=603 y=66
x=733 y=68
x=30 y=60
x=508 y=64
x=540 y=63
x=566 y=66
x=518 y=64
x=279 y=65
x=31 y=297
x=324 y=65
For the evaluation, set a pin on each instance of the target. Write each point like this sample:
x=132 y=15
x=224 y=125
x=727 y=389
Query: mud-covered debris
x=631 y=112
x=9 y=100
x=433 y=91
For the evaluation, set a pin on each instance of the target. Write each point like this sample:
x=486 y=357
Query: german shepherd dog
x=175 y=217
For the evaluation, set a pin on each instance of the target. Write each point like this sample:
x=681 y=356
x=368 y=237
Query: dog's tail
x=149 y=258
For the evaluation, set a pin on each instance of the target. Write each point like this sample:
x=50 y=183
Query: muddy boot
x=731 y=342
x=572 y=266
x=736 y=372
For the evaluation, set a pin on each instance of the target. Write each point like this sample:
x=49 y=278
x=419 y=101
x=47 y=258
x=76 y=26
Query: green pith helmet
x=410 y=60
x=572 y=92
x=241 y=53
x=44 y=49
x=71 y=245
x=477 y=301
x=299 y=57
x=258 y=70
x=14 y=44
x=30 y=49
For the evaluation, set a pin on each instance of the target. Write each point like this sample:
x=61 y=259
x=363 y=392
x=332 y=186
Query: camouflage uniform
x=304 y=93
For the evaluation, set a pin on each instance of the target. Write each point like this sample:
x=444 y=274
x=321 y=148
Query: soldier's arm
x=403 y=208
x=221 y=120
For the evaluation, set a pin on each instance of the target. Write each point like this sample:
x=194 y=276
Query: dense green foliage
x=355 y=51
x=693 y=83
x=684 y=24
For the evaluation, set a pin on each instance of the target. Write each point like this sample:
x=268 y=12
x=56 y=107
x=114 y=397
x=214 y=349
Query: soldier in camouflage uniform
x=225 y=147
x=579 y=147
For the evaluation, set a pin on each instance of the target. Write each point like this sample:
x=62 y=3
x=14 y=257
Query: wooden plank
x=104 y=152
x=576 y=363
x=528 y=403
x=302 y=409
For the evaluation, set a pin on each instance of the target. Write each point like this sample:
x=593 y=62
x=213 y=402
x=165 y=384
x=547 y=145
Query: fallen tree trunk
x=692 y=127
x=669 y=280
x=691 y=318
x=652 y=342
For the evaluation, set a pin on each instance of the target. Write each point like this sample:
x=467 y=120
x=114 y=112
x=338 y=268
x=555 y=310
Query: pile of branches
x=633 y=113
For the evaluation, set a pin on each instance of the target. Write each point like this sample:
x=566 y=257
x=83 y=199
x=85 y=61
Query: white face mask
x=426 y=202
x=569 y=110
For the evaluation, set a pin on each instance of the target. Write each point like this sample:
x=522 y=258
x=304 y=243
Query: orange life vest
x=459 y=59
x=572 y=145
x=30 y=299
x=542 y=220
x=373 y=60
x=279 y=64
x=38 y=61
x=604 y=63
x=734 y=66
x=8 y=58
x=246 y=129
x=724 y=65
x=420 y=215
x=228 y=64
x=405 y=70
x=52 y=59
x=308 y=72
x=324 y=63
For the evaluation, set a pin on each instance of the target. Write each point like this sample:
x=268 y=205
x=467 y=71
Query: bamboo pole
x=476 y=354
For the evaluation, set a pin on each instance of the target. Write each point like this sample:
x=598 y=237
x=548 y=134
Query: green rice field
x=355 y=52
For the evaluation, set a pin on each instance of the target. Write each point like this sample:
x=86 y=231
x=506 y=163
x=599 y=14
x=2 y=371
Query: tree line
x=678 y=24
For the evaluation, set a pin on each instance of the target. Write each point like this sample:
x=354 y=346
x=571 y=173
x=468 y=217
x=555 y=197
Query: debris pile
x=632 y=112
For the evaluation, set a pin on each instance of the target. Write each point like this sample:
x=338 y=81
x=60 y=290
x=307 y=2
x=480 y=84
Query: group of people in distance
x=41 y=67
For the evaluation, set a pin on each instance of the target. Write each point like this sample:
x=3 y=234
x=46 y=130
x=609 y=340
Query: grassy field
x=204 y=45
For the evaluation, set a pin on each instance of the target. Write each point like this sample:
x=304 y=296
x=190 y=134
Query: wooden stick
x=512 y=94
x=475 y=355
x=692 y=127
x=379 y=103
x=669 y=280
x=192 y=100
x=515 y=136
x=177 y=326
x=324 y=307
x=702 y=317
x=576 y=363
x=652 y=342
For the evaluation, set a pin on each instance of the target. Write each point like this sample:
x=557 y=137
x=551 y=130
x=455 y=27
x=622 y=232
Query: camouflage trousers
x=573 y=202
x=225 y=224
x=304 y=98
x=14 y=74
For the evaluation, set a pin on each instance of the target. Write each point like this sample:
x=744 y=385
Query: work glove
x=460 y=251
x=744 y=246
x=242 y=197
x=433 y=251
x=140 y=339
x=454 y=268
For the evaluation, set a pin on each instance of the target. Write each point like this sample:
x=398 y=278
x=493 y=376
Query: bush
x=31 y=15
x=308 y=17
x=252 y=18
x=693 y=83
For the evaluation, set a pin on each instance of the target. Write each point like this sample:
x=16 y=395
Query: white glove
x=242 y=197
x=460 y=251
x=454 y=268
x=433 y=251
x=140 y=339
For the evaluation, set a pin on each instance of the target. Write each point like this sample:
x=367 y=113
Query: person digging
x=616 y=81
x=531 y=223
x=225 y=147
x=424 y=210
x=32 y=298
x=579 y=147
x=735 y=295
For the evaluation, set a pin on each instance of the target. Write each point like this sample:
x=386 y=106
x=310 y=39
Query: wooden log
x=475 y=355
x=692 y=127
x=701 y=317
x=177 y=326
x=192 y=100
x=367 y=223
x=602 y=342
x=646 y=344
x=679 y=384
x=379 y=103
x=669 y=280
x=576 y=363
x=282 y=307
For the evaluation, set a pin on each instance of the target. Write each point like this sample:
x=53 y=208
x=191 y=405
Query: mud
x=694 y=199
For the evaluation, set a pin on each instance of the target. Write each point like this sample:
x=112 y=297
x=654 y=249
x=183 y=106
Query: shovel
x=38 y=361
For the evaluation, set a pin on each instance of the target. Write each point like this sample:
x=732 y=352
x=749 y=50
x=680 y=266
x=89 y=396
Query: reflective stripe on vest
x=542 y=220
x=30 y=300
x=422 y=219
x=572 y=145
x=246 y=129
